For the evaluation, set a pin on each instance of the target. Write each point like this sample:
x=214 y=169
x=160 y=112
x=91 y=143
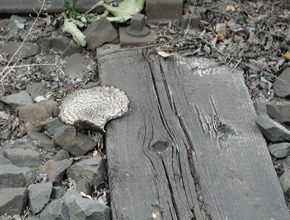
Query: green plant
x=71 y=10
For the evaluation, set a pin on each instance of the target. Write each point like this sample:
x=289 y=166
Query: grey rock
x=23 y=158
x=17 y=99
x=279 y=112
x=75 y=67
x=30 y=126
x=36 y=112
x=57 y=209
x=72 y=49
x=61 y=155
x=27 y=50
x=281 y=85
x=272 y=130
x=78 y=144
x=4 y=160
x=92 y=169
x=90 y=85
x=14 y=176
x=25 y=144
x=36 y=89
x=280 y=150
x=84 y=209
x=5 y=135
x=285 y=181
x=47 y=69
x=100 y=32
x=284 y=162
x=57 y=192
x=41 y=139
x=13 y=200
x=55 y=169
x=85 y=185
x=15 y=24
x=52 y=124
x=59 y=44
x=260 y=107
x=39 y=195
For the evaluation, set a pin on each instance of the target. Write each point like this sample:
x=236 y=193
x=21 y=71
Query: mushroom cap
x=93 y=107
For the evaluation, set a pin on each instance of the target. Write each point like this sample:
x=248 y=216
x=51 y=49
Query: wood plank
x=51 y=6
x=205 y=120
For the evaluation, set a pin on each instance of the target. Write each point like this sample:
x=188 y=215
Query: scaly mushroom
x=90 y=109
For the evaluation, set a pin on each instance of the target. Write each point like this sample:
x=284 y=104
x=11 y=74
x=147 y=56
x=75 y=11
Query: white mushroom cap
x=95 y=106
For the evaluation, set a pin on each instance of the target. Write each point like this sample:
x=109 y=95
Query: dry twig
x=24 y=40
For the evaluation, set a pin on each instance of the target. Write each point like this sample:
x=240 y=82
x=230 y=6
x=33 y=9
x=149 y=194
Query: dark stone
x=82 y=208
x=57 y=192
x=17 y=99
x=99 y=32
x=47 y=69
x=78 y=144
x=92 y=169
x=260 y=107
x=285 y=181
x=5 y=135
x=75 y=67
x=14 y=176
x=55 y=169
x=37 y=112
x=27 y=50
x=25 y=145
x=279 y=112
x=13 y=200
x=72 y=49
x=163 y=10
x=4 y=160
x=39 y=195
x=58 y=45
x=85 y=185
x=61 y=155
x=272 y=130
x=15 y=24
x=52 y=124
x=280 y=150
x=42 y=140
x=281 y=85
x=23 y=158
x=36 y=89
x=284 y=162
x=57 y=209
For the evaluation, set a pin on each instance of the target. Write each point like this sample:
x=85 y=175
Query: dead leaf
x=161 y=50
x=286 y=56
x=230 y=8
x=86 y=196
x=213 y=42
x=95 y=153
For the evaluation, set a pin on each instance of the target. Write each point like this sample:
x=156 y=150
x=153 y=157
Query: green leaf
x=71 y=27
x=126 y=8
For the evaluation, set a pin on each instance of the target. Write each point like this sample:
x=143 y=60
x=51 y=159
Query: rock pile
x=269 y=119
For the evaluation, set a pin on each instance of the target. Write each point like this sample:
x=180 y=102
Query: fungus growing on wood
x=90 y=109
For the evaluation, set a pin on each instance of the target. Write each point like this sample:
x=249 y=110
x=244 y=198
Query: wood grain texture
x=204 y=119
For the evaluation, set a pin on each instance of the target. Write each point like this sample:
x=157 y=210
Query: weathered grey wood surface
x=32 y=6
x=189 y=147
